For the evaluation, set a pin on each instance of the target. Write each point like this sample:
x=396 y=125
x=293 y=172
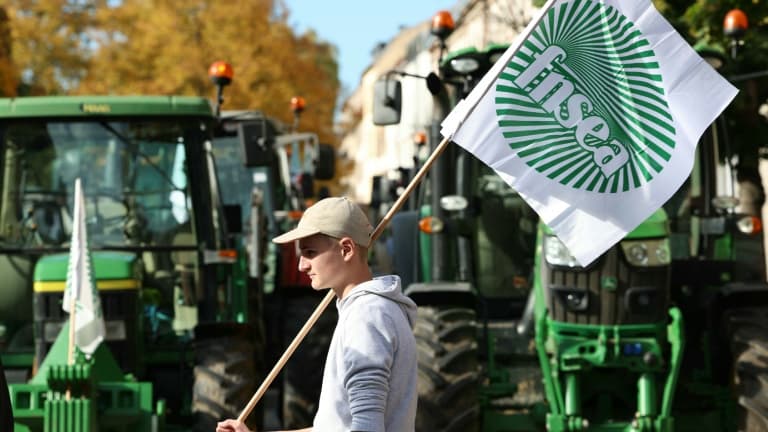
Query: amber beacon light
x=735 y=26
x=735 y=23
x=442 y=24
x=221 y=73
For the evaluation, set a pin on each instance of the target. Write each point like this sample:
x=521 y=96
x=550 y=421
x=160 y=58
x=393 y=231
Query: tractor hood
x=51 y=271
x=657 y=225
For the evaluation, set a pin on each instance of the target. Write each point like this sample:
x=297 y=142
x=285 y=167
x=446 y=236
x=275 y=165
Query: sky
x=356 y=26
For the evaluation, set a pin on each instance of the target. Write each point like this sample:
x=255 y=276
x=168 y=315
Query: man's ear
x=348 y=248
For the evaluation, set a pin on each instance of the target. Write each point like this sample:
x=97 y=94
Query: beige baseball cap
x=336 y=217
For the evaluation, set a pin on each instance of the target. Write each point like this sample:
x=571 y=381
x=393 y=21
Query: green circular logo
x=582 y=101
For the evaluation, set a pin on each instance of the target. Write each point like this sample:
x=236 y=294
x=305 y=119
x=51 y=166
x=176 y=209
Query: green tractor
x=179 y=351
x=269 y=172
x=515 y=336
x=666 y=330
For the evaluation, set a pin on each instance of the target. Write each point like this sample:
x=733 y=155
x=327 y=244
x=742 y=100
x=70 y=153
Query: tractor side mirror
x=387 y=100
x=434 y=84
x=325 y=165
x=256 y=141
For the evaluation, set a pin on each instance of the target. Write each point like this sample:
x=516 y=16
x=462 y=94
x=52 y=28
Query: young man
x=369 y=381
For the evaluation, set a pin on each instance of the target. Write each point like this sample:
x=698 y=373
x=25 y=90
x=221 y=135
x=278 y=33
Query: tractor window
x=133 y=174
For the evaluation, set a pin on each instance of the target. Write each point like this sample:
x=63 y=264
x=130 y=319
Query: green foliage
x=49 y=42
x=8 y=75
x=166 y=47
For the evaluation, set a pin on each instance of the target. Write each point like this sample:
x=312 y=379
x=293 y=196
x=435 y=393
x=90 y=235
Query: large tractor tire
x=303 y=374
x=749 y=345
x=225 y=376
x=449 y=373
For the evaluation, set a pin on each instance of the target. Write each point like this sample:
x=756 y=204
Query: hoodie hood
x=384 y=286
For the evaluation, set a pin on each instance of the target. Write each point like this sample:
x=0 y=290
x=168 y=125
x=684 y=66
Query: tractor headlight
x=646 y=253
x=464 y=66
x=638 y=254
x=557 y=254
x=453 y=203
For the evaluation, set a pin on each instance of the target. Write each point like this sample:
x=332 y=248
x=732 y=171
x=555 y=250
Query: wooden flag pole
x=330 y=296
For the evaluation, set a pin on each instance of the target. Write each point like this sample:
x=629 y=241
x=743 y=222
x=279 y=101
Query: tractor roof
x=110 y=106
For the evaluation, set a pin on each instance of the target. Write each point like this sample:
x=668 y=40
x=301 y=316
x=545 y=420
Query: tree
x=8 y=75
x=50 y=42
x=165 y=47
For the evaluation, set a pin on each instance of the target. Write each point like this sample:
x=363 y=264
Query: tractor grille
x=121 y=317
x=608 y=292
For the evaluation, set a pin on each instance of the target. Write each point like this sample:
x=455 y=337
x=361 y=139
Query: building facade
x=379 y=151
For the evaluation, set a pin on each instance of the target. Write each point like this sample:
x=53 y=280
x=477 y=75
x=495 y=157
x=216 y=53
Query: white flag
x=594 y=120
x=89 y=321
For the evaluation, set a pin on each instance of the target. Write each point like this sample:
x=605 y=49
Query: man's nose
x=303 y=264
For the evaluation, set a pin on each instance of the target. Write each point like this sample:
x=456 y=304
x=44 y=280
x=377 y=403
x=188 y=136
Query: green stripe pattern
x=608 y=62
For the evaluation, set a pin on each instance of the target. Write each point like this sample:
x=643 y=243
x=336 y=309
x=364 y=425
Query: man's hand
x=232 y=426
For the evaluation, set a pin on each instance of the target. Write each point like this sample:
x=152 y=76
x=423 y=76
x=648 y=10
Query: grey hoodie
x=369 y=382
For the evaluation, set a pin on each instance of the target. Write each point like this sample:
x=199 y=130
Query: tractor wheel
x=749 y=344
x=225 y=377
x=449 y=372
x=303 y=374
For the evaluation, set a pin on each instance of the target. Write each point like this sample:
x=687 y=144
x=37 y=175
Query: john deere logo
x=582 y=102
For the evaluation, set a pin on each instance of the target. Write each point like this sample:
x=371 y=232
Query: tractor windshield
x=133 y=175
